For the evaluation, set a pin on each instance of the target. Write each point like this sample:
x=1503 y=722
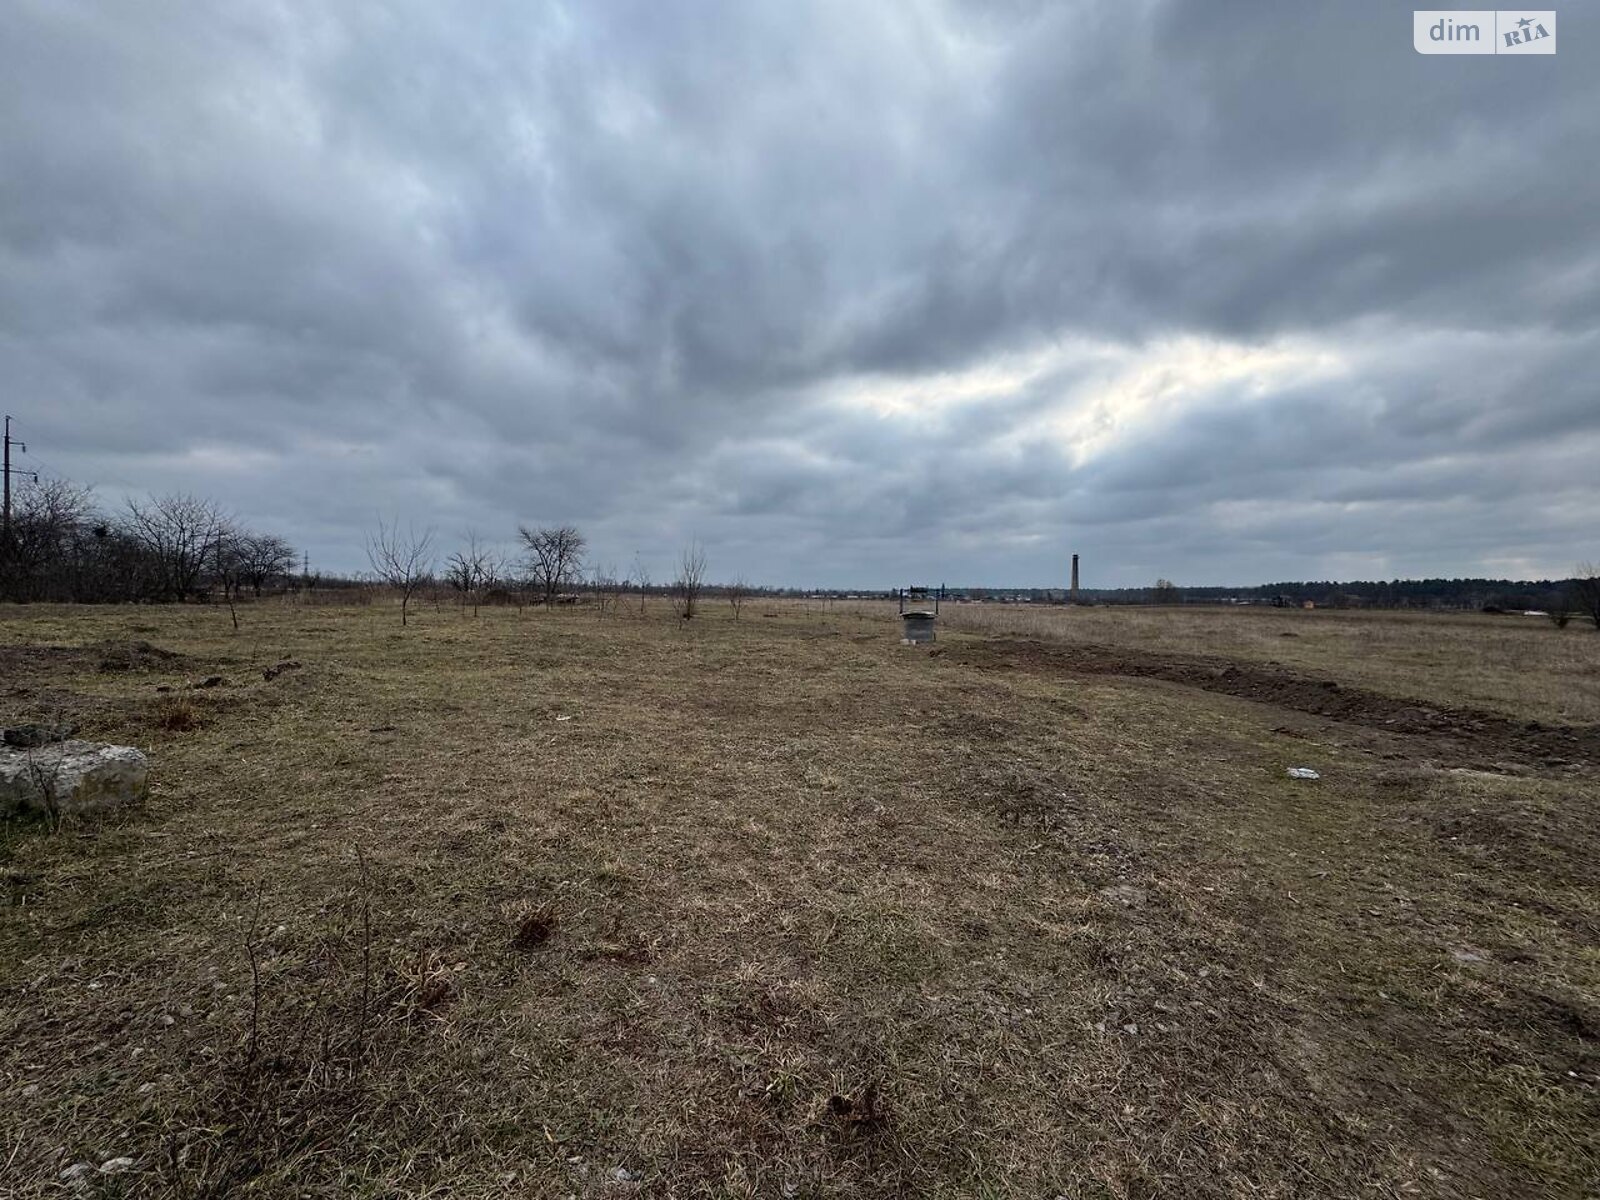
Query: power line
x=47 y=467
x=8 y=471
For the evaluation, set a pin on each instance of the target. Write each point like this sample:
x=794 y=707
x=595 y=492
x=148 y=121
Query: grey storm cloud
x=854 y=294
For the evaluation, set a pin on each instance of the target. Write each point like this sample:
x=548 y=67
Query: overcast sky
x=857 y=294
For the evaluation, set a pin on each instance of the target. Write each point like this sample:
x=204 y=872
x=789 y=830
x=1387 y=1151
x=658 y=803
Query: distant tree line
x=62 y=546
x=1471 y=595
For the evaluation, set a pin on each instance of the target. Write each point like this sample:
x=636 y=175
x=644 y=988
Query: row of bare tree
x=61 y=546
x=550 y=568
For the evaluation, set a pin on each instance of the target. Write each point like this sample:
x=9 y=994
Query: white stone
x=71 y=778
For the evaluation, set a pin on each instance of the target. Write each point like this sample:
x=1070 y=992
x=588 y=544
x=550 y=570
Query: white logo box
x=1484 y=31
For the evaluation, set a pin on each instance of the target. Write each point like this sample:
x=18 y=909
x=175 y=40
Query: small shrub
x=177 y=714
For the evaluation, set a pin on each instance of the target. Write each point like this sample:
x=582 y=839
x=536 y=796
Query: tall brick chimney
x=1074 y=579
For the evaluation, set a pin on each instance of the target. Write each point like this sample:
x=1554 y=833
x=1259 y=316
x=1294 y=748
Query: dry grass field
x=555 y=904
x=1521 y=666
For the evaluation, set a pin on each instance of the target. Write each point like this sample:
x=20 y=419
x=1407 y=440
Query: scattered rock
x=113 y=1166
x=77 y=1171
x=1303 y=773
x=70 y=778
x=210 y=681
x=29 y=736
x=623 y=1175
x=273 y=672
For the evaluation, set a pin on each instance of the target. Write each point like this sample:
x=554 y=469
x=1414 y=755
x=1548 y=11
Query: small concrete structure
x=917 y=621
x=70 y=778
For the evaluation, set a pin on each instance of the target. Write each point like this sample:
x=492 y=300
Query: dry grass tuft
x=176 y=714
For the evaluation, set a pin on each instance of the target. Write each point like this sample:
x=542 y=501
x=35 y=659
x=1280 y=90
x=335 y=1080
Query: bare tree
x=606 y=586
x=554 y=557
x=691 y=579
x=642 y=574
x=468 y=571
x=404 y=561
x=737 y=592
x=495 y=579
x=230 y=570
x=228 y=562
x=49 y=519
x=1585 y=590
x=1560 y=607
x=263 y=558
x=460 y=574
x=493 y=570
x=181 y=534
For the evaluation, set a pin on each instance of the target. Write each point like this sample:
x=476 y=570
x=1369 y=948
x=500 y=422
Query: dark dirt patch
x=535 y=928
x=1471 y=735
x=17 y=662
x=107 y=656
x=976 y=727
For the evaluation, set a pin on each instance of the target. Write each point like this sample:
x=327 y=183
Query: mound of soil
x=133 y=656
x=1478 y=735
x=108 y=656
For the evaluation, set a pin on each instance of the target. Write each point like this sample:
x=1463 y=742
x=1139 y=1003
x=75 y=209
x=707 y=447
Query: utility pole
x=5 y=538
